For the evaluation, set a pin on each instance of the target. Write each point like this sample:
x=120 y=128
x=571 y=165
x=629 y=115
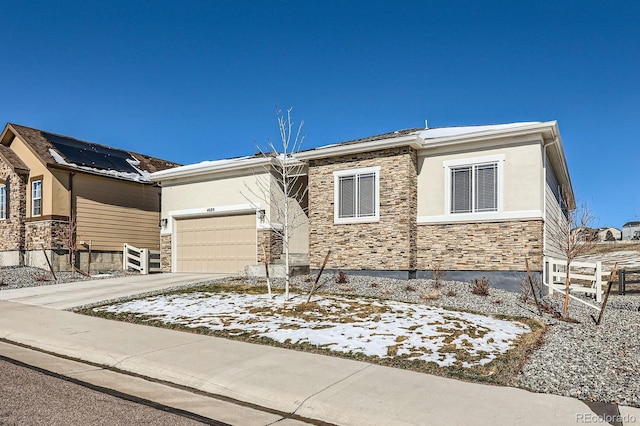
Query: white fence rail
x=589 y=273
x=144 y=260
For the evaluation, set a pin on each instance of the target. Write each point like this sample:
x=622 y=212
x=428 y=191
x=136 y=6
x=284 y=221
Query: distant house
x=631 y=231
x=609 y=234
x=46 y=179
x=472 y=201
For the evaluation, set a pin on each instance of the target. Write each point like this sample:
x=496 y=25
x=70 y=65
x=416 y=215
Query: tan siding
x=111 y=213
x=554 y=218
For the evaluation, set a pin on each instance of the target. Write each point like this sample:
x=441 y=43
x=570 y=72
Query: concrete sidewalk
x=329 y=389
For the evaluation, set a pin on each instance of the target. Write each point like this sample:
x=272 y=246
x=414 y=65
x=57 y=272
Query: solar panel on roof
x=90 y=154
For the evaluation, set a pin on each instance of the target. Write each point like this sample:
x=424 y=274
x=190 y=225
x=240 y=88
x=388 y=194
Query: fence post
x=621 y=283
x=144 y=261
x=551 y=275
x=598 y=277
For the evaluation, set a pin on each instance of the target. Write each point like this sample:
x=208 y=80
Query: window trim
x=32 y=182
x=471 y=162
x=3 y=203
x=336 y=195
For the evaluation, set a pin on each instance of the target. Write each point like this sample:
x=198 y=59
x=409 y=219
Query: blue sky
x=196 y=80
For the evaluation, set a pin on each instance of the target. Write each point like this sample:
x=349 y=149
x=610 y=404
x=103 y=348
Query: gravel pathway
x=581 y=360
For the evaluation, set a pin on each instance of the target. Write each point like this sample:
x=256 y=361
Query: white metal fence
x=144 y=260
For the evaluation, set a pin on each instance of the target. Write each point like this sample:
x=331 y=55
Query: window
x=36 y=198
x=474 y=185
x=3 y=202
x=357 y=195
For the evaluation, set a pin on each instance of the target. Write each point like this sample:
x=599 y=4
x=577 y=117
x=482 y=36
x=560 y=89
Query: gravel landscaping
x=582 y=360
x=12 y=277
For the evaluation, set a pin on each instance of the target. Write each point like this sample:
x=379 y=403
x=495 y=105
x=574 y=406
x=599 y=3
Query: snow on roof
x=137 y=176
x=443 y=132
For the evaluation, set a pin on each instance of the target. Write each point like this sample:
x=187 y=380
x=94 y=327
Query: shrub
x=429 y=296
x=409 y=287
x=451 y=293
x=341 y=278
x=525 y=288
x=480 y=286
x=438 y=273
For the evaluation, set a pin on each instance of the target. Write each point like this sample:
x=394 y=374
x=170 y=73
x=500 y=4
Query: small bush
x=451 y=293
x=42 y=277
x=480 y=286
x=437 y=274
x=341 y=278
x=409 y=287
x=429 y=296
x=309 y=279
x=525 y=288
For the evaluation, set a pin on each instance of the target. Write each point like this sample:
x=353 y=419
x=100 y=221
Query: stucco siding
x=521 y=177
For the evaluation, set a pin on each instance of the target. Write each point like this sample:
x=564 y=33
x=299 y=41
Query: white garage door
x=216 y=244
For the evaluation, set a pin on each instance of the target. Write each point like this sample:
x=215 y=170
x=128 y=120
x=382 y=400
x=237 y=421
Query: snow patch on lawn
x=384 y=329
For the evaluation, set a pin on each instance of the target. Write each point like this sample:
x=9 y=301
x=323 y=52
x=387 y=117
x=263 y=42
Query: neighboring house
x=609 y=234
x=46 y=178
x=631 y=231
x=472 y=201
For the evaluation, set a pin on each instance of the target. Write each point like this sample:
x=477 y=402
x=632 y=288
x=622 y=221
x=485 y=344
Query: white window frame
x=471 y=162
x=336 y=195
x=3 y=202
x=33 y=198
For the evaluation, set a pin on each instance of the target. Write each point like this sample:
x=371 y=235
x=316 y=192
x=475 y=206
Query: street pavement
x=272 y=383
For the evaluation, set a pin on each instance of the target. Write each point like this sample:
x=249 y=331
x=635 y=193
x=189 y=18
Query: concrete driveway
x=81 y=293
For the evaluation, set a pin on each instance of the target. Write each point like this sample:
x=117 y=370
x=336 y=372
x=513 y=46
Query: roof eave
x=67 y=168
x=493 y=134
x=414 y=141
x=207 y=169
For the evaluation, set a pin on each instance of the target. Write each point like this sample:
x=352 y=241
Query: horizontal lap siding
x=111 y=213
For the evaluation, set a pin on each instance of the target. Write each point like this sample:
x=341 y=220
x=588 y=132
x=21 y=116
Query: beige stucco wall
x=215 y=191
x=227 y=189
x=37 y=168
x=522 y=169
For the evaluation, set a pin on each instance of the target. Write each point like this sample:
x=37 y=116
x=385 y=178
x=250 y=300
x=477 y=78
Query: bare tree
x=284 y=189
x=572 y=236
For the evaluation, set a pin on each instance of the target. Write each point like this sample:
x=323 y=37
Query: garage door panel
x=216 y=244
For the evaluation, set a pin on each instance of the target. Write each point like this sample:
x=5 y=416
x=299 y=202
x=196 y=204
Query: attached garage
x=224 y=244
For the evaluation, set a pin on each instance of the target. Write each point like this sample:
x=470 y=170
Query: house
x=631 y=231
x=472 y=201
x=47 y=178
x=609 y=233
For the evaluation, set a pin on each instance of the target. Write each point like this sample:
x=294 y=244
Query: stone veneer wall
x=12 y=228
x=273 y=241
x=47 y=233
x=385 y=245
x=165 y=252
x=485 y=246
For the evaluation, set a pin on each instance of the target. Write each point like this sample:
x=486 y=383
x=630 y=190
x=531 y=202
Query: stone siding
x=47 y=233
x=165 y=252
x=388 y=244
x=12 y=228
x=273 y=241
x=485 y=246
